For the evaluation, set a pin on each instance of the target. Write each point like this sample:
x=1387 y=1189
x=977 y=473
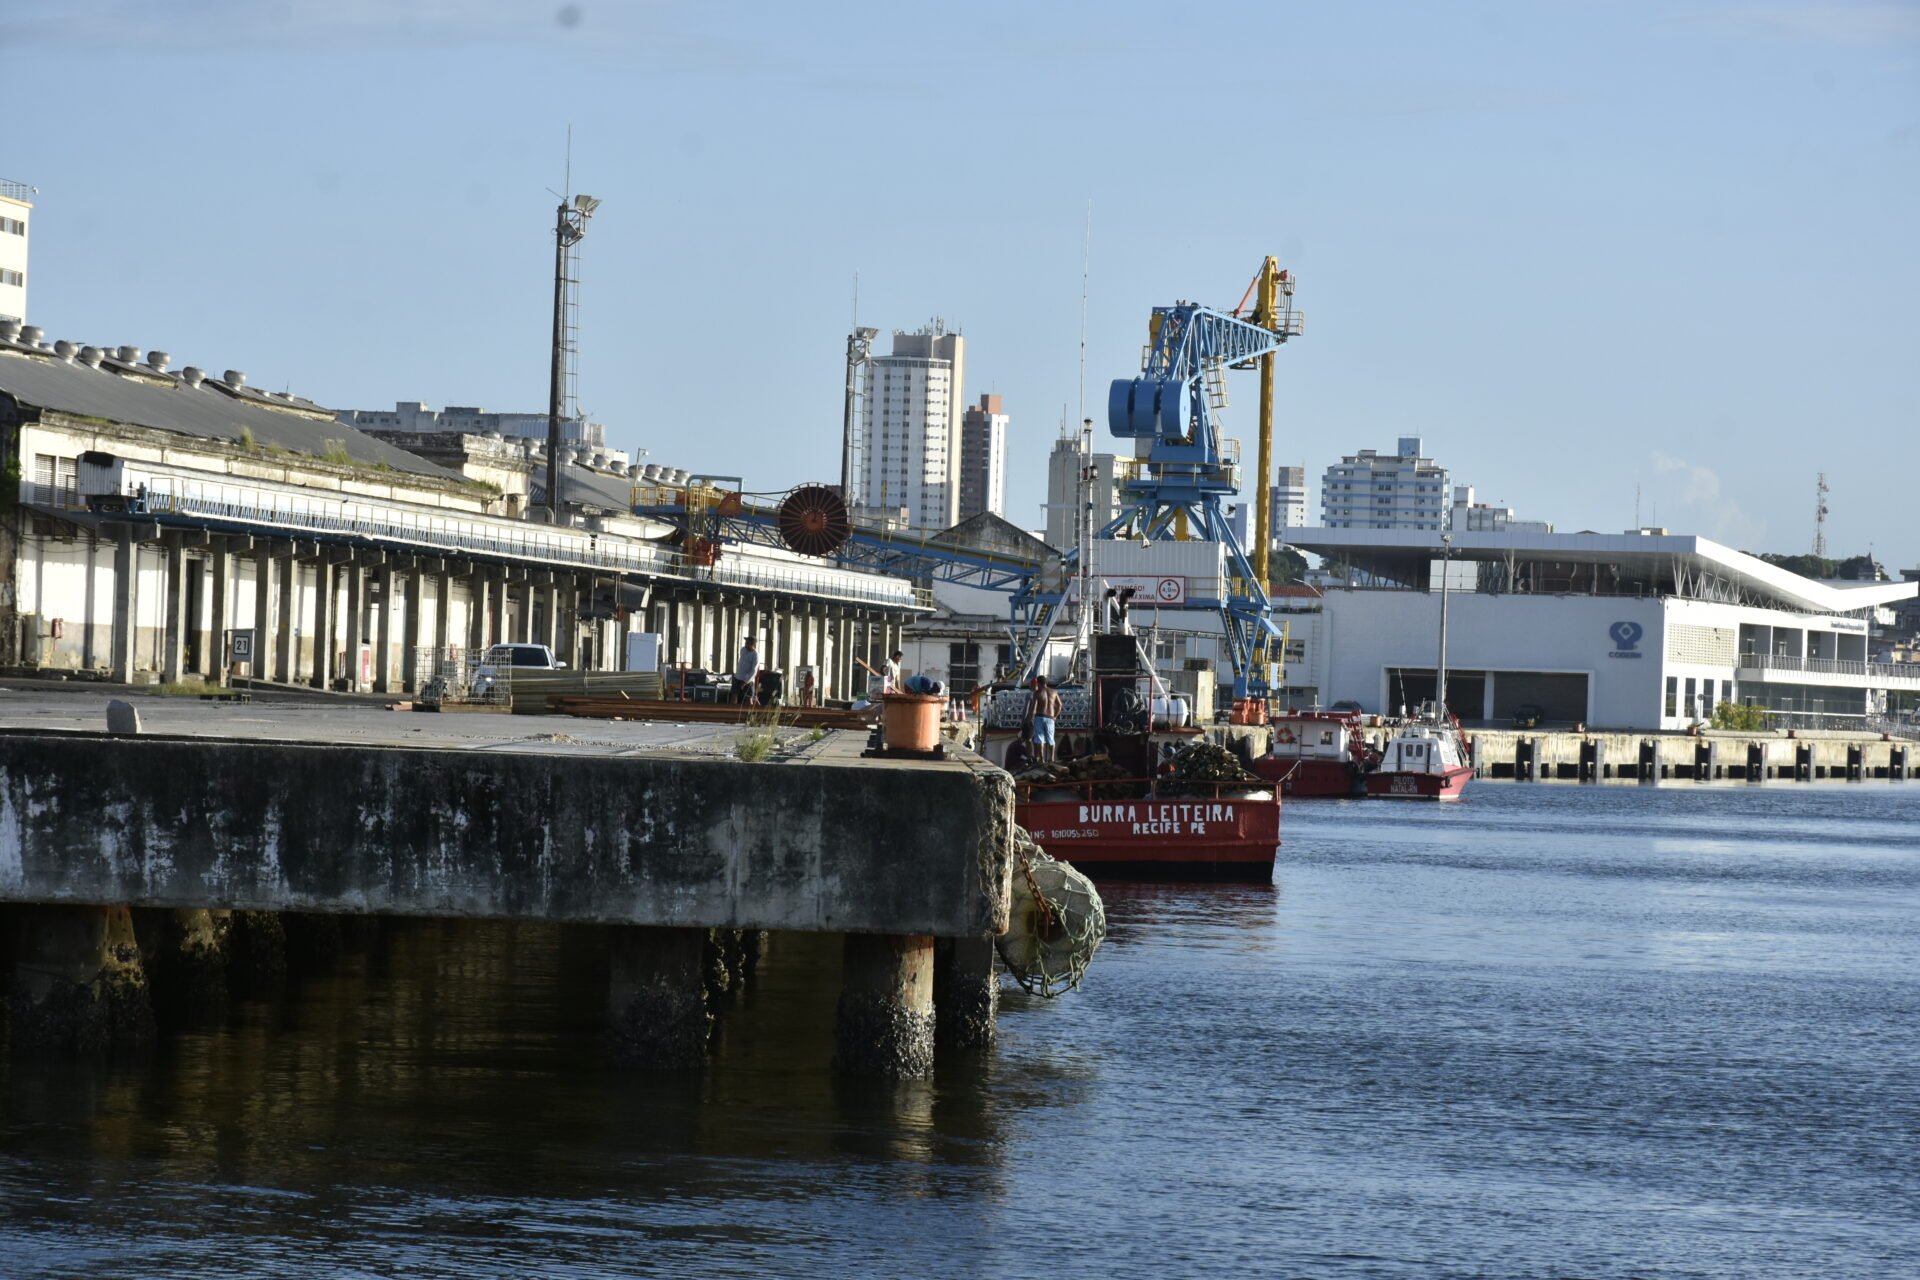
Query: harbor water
x=1551 y=1031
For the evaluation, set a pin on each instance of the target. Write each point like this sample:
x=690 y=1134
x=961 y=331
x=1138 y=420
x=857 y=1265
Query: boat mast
x=1440 y=688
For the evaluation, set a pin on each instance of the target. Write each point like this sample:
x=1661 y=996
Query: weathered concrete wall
x=830 y=843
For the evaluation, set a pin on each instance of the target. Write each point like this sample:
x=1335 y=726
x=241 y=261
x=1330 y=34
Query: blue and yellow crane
x=1176 y=490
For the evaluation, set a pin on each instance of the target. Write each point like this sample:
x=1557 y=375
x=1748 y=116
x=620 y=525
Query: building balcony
x=1836 y=672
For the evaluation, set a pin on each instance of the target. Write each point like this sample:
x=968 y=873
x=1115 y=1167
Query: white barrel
x=1171 y=712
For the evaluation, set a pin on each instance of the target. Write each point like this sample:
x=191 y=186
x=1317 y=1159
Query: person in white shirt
x=746 y=674
x=890 y=682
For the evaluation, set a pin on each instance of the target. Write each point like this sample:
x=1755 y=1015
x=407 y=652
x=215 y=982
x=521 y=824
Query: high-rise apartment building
x=1289 y=501
x=910 y=438
x=1370 y=490
x=983 y=459
x=1064 y=501
x=15 y=206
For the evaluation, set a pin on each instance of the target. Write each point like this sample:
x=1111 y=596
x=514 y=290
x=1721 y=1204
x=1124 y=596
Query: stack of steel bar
x=618 y=708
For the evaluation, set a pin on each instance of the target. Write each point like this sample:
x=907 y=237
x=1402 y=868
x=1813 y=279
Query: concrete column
x=261 y=668
x=697 y=656
x=885 y=1021
x=173 y=643
x=966 y=995
x=355 y=622
x=222 y=585
x=410 y=633
x=442 y=615
x=656 y=997
x=523 y=629
x=567 y=599
x=78 y=984
x=286 y=649
x=125 y=596
x=497 y=610
x=842 y=657
x=479 y=601
x=185 y=954
x=550 y=616
x=323 y=620
x=383 y=633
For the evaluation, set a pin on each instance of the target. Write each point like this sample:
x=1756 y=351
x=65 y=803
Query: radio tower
x=1820 y=518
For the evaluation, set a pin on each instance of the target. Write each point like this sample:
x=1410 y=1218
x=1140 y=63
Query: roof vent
x=127 y=355
x=9 y=330
x=192 y=376
x=64 y=350
x=91 y=357
x=157 y=361
x=31 y=334
x=234 y=378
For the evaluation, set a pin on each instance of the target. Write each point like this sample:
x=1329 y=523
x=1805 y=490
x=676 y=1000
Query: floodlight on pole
x=570 y=227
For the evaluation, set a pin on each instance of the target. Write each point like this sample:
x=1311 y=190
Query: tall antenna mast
x=859 y=351
x=1085 y=548
x=1820 y=517
x=569 y=228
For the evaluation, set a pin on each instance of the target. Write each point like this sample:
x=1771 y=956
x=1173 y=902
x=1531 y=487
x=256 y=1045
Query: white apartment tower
x=1289 y=501
x=15 y=206
x=1370 y=490
x=1064 y=501
x=983 y=459
x=910 y=441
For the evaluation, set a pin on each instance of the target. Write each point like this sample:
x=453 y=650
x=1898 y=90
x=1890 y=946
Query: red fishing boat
x=1136 y=821
x=1317 y=754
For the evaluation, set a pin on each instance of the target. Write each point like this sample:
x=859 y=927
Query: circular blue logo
x=1626 y=634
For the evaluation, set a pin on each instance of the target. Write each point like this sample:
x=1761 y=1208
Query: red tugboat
x=1318 y=754
x=1133 y=819
x=1428 y=758
x=1424 y=760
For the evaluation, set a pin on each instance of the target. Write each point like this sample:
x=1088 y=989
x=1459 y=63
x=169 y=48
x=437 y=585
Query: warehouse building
x=159 y=523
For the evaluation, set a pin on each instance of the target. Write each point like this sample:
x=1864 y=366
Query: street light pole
x=1440 y=688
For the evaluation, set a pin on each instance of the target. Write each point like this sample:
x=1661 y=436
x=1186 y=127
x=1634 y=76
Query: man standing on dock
x=890 y=681
x=1043 y=711
x=745 y=674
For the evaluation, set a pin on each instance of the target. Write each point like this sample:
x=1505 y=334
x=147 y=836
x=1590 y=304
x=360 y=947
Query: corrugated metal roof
x=164 y=403
x=584 y=486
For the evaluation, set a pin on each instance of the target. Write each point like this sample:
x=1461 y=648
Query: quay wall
x=817 y=844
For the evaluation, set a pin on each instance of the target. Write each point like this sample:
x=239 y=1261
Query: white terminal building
x=1641 y=630
x=588 y=439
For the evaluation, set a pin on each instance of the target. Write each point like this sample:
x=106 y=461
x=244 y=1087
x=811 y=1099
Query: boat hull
x=1198 y=839
x=1301 y=779
x=1446 y=785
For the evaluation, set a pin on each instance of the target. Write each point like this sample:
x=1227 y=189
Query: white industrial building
x=1635 y=630
x=983 y=459
x=588 y=439
x=1469 y=516
x=1372 y=490
x=16 y=209
x=910 y=438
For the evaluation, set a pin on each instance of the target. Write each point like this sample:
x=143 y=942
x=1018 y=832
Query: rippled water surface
x=1552 y=1031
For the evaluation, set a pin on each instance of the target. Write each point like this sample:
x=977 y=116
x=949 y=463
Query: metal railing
x=502 y=539
x=17 y=190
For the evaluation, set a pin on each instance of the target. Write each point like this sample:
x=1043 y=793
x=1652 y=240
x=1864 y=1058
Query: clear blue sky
x=1575 y=246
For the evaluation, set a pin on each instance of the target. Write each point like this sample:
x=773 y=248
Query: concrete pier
x=657 y=998
x=290 y=819
x=966 y=993
x=78 y=984
x=885 y=1023
x=185 y=952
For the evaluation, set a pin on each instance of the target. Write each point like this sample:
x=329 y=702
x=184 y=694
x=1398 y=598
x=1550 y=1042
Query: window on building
x=1692 y=706
x=13 y=226
x=1726 y=691
x=10 y=276
x=1673 y=695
